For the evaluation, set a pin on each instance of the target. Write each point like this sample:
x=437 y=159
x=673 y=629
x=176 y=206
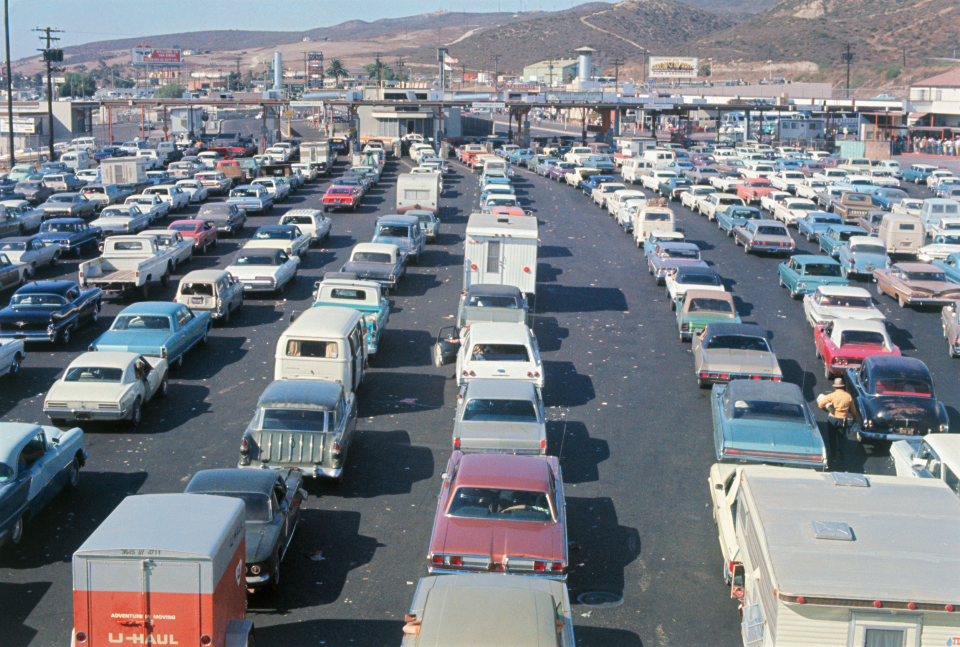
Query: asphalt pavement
x=631 y=427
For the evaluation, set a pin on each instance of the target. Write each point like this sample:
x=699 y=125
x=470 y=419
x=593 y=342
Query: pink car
x=203 y=232
x=500 y=513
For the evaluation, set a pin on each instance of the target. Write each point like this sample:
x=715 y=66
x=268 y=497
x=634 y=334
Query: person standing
x=839 y=414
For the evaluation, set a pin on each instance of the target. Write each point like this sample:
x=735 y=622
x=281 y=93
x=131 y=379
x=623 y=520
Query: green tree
x=704 y=70
x=123 y=82
x=169 y=91
x=77 y=85
x=38 y=78
x=379 y=66
x=337 y=70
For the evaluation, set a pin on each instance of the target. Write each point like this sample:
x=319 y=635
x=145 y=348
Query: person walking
x=839 y=413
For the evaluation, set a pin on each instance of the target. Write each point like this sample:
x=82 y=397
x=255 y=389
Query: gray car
x=227 y=217
x=500 y=416
x=303 y=424
x=429 y=223
x=272 y=501
x=69 y=205
x=729 y=351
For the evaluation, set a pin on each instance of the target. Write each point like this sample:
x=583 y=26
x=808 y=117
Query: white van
x=933 y=210
x=660 y=157
x=77 y=160
x=499 y=351
x=901 y=234
x=323 y=344
x=651 y=217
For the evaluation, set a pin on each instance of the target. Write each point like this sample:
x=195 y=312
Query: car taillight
x=81 y=637
x=776 y=378
x=456 y=443
x=472 y=374
x=684 y=327
x=456 y=560
x=539 y=566
x=206 y=640
x=437 y=559
x=336 y=448
x=244 y=446
x=463 y=373
x=543 y=445
x=392 y=277
x=556 y=567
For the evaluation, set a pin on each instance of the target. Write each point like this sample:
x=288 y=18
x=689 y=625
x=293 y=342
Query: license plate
x=906 y=244
x=83 y=415
x=869 y=268
x=907 y=432
x=196 y=299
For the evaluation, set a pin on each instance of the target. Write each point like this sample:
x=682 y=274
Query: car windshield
x=11 y=246
x=738 y=342
x=183 y=227
x=141 y=322
x=953 y=239
x=93 y=374
x=771 y=231
x=294 y=419
x=862 y=338
x=481 y=301
x=697 y=279
x=140 y=201
x=115 y=213
x=673 y=252
x=821 y=269
x=903 y=386
x=803 y=206
x=508 y=505
x=273 y=234
x=371 y=257
x=827 y=220
x=653 y=216
x=501 y=202
x=244 y=193
x=499 y=353
x=255 y=259
x=500 y=411
x=765 y=410
x=919 y=276
x=743 y=214
x=701 y=304
x=257 y=505
x=36 y=301
x=94 y=191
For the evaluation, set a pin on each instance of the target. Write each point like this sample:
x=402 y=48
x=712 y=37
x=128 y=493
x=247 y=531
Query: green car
x=804 y=273
x=697 y=308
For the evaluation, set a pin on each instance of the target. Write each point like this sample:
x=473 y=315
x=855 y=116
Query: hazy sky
x=84 y=21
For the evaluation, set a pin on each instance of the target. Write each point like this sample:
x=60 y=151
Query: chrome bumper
x=85 y=414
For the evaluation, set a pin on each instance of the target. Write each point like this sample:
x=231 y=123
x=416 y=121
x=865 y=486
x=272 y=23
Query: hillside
x=816 y=30
x=622 y=31
x=733 y=9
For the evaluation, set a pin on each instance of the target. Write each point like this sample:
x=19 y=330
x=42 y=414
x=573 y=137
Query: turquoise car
x=157 y=329
x=346 y=290
x=804 y=273
x=950 y=266
x=736 y=215
x=761 y=421
x=836 y=236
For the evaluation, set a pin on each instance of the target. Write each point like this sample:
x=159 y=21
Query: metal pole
x=110 y=122
x=142 y=117
x=51 y=157
x=6 y=27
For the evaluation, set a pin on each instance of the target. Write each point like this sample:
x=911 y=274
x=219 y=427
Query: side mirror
x=293 y=316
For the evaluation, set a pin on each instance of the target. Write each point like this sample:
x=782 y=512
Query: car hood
x=894 y=410
x=498 y=436
x=499 y=539
x=148 y=342
x=766 y=436
x=740 y=361
x=261 y=539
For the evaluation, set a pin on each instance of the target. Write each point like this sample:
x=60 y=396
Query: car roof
x=709 y=294
x=204 y=275
x=258 y=251
x=107 y=359
x=47 y=287
x=316 y=213
x=13 y=436
x=501 y=389
x=232 y=480
x=864 y=240
x=65 y=220
x=301 y=394
x=490 y=289
x=752 y=330
x=499 y=332
x=842 y=291
x=813 y=258
x=504 y=471
x=325 y=321
x=152 y=307
x=868 y=325
x=398 y=220
x=909 y=267
x=384 y=248
x=18 y=239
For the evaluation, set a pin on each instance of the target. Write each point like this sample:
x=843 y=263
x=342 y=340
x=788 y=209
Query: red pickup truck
x=754 y=188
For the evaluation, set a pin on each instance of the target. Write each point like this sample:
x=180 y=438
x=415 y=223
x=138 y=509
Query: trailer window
x=493 y=257
x=416 y=194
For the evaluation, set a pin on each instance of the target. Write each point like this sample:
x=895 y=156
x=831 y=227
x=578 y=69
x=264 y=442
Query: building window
x=493 y=257
x=938 y=95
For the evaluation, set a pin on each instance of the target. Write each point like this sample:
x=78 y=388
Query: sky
x=84 y=21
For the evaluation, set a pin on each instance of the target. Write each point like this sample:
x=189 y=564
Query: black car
x=49 y=311
x=272 y=500
x=108 y=152
x=894 y=399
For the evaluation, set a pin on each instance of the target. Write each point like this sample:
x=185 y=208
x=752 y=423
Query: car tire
x=165 y=279
x=55 y=259
x=780 y=279
x=746 y=250
x=275 y=575
x=827 y=373
x=206 y=333
x=164 y=387
x=702 y=384
x=178 y=363
x=73 y=478
x=15 y=365
x=136 y=414
x=145 y=291
x=16 y=532
x=225 y=319
x=900 y=301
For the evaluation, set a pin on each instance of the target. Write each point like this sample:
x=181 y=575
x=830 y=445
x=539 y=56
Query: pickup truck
x=652 y=181
x=380 y=262
x=792 y=209
x=810 y=188
x=234 y=172
x=787 y=180
x=716 y=202
x=851 y=206
x=128 y=263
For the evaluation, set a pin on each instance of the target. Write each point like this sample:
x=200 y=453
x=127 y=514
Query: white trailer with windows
x=832 y=558
x=501 y=250
x=418 y=191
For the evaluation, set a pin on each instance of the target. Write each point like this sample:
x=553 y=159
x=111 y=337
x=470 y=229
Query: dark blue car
x=592 y=182
x=72 y=234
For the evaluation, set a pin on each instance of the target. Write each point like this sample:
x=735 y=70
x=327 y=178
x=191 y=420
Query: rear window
x=710 y=305
x=346 y=293
x=197 y=289
x=499 y=353
x=500 y=411
x=93 y=374
x=861 y=338
x=738 y=342
x=771 y=231
x=493 y=302
x=294 y=420
x=310 y=348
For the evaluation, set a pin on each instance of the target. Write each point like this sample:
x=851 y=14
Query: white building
x=935 y=102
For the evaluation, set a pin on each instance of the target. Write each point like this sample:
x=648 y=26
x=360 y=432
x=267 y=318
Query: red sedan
x=203 y=232
x=341 y=197
x=754 y=188
x=845 y=343
x=501 y=513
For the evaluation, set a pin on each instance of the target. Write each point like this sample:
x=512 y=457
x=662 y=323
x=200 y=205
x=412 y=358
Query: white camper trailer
x=501 y=250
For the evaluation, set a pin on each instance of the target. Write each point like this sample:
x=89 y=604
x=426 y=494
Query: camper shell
x=501 y=249
x=418 y=191
x=323 y=344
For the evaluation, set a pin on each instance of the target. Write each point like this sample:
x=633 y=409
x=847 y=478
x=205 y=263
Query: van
x=323 y=344
x=77 y=160
x=88 y=144
x=901 y=234
x=651 y=217
x=661 y=158
x=933 y=210
x=215 y=291
x=496 y=164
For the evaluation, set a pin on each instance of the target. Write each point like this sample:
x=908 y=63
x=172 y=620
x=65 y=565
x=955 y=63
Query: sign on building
x=143 y=54
x=315 y=70
x=673 y=67
x=21 y=125
x=517 y=87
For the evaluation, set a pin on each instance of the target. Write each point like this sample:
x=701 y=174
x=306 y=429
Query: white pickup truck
x=128 y=263
x=652 y=181
x=577 y=154
x=787 y=180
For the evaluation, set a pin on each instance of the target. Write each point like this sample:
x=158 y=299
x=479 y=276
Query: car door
x=9 y=273
x=447 y=346
x=38 y=459
x=190 y=328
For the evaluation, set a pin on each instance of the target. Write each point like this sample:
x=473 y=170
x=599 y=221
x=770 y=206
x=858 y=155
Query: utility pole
x=463 y=74
x=50 y=55
x=379 y=68
x=496 y=68
x=236 y=60
x=847 y=57
x=6 y=27
x=399 y=65
x=617 y=62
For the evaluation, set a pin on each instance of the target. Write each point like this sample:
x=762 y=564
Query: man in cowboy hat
x=840 y=404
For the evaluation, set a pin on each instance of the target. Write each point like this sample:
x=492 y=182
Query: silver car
x=500 y=416
x=31 y=251
x=730 y=351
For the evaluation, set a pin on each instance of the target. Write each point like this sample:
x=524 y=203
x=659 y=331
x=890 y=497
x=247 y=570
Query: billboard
x=315 y=70
x=21 y=125
x=673 y=67
x=143 y=54
x=517 y=87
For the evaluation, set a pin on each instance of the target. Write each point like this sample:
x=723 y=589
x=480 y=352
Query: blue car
x=765 y=422
x=672 y=187
x=804 y=273
x=72 y=234
x=35 y=464
x=918 y=173
x=592 y=182
x=816 y=222
x=342 y=289
x=886 y=197
x=861 y=255
x=601 y=162
x=836 y=236
x=543 y=168
x=950 y=266
x=251 y=198
x=520 y=156
x=788 y=165
x=736 y=215
x=156 y=328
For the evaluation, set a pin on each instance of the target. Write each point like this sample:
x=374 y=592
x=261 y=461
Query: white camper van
x=323 y=344
x=501 y=250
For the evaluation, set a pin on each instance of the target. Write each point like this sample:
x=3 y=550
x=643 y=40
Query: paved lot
x=632 y=430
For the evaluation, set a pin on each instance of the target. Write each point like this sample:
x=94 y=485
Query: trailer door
x=131 y=600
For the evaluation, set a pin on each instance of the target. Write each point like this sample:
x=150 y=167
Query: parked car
x=836 y=236
x=729 y=351
x=345 y=290
x=666 y=257
x=894 y=399
x=36 y=463
x=32 y=251
x=156 y=329
x=122 y=219
x=195 y=190
x=272 y=502
x=71 y=234
x=49 y=311
x=916 y=284
x=227 y=217
x=203 y=233
x=499 y=351
x=289 y=238
x=106 y=386
x=696 y=308
x=692 y=277
x=495 y=416
x=68 y=205
x=500 y=513
x=941 y=247
x=152 y=205
x=862 y=255
x=478 y=303
x=815 y=223
x=736 y=216
x=179 y=249
x=214 y=291
x=767 y=236
x=831 y=302
x=34 y=191
x=380 y=262
x=765 y=422
x=176 y=196
x=804 y=273
x=310 y=222
x=341 y=197
x=307 y=425
x=264 y=270
x=845 y=343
